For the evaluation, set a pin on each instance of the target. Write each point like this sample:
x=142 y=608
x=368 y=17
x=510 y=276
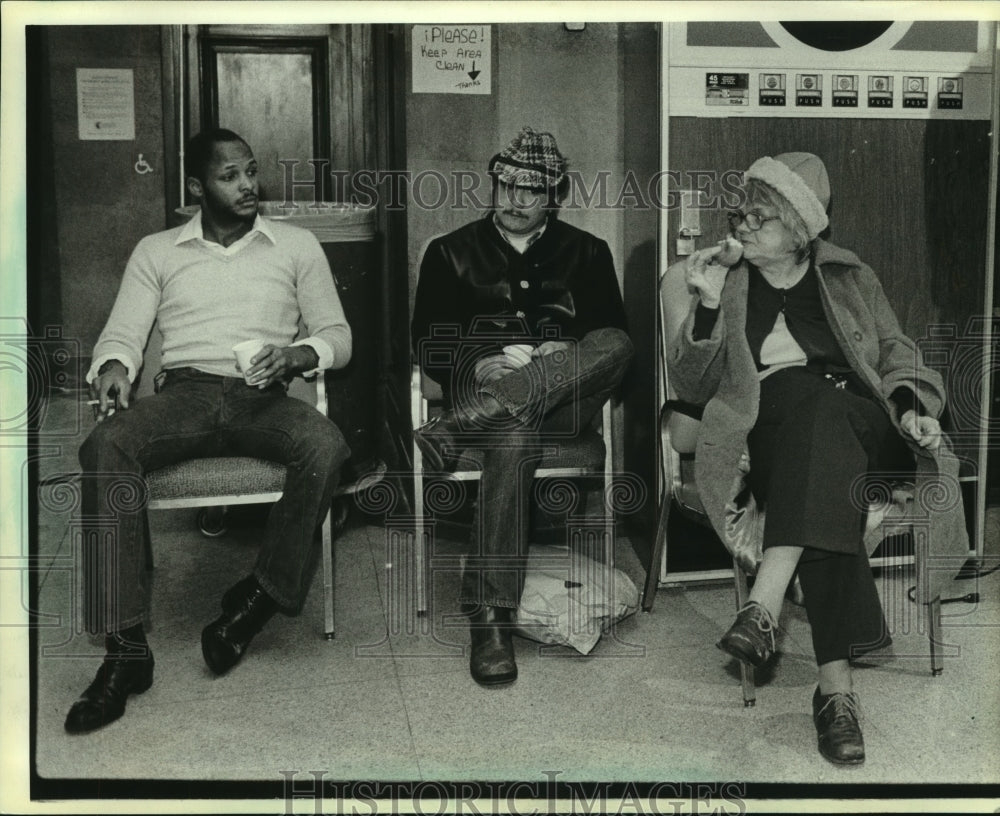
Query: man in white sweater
x=224 y=277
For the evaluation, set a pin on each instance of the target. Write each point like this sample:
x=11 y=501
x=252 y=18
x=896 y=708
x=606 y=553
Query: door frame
x=317 y=48
x=344 y=137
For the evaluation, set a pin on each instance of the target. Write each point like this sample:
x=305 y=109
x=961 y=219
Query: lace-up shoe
x=752 y=637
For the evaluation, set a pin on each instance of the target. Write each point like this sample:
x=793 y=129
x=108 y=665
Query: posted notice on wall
x=451 y=59
x=105 y=103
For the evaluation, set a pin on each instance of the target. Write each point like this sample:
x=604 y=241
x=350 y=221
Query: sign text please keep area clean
x=451 y=59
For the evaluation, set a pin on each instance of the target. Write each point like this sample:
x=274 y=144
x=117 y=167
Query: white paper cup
x=519 y=354
x=245 y=352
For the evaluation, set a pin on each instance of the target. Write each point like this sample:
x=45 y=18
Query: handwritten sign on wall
x=105 y=103
x=451 y=59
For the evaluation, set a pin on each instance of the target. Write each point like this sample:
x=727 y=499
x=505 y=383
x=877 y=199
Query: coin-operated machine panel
x=902 y=113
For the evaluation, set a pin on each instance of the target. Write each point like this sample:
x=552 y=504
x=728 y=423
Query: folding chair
x=679 y=424
x=233 y=480
x=588 y=454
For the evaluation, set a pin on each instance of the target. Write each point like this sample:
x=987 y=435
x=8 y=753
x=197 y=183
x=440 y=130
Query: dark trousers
x=555 y=397
x=197 y=415
x=810 y=450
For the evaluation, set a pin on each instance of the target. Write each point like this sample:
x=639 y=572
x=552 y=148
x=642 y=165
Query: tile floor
x=391 y=697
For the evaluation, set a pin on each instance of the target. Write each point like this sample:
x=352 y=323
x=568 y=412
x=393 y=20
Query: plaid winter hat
x=531 y=160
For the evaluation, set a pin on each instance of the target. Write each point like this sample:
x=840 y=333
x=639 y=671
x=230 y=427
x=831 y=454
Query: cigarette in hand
x=96 y=406
x=731 y=252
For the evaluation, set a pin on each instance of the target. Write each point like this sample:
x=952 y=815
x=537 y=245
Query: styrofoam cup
x=245 y=352
x=519 y=354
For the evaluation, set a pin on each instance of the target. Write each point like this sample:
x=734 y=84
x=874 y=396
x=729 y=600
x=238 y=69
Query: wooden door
x=272 y=91
x=300 y=95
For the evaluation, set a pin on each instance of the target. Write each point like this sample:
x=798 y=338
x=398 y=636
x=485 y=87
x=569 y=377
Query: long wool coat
x=719 y=373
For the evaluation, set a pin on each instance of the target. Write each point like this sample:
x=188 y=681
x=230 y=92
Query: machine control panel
x=914 y=92
x=844 y=91
x=833 y=93
x=880 y=93
x=949 y=94
x=808 y=90
x=772 y=89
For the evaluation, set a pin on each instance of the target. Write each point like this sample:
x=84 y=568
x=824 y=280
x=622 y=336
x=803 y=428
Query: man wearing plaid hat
x=536 y=343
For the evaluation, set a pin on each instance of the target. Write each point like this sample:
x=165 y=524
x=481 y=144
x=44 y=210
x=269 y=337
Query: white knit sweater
x=206 y=298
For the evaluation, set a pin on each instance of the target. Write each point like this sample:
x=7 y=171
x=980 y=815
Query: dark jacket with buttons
x=476 y=294
x=719 y=373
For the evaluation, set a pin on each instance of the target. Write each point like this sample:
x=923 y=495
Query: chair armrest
x=689 y=409
x=679 y=424
x=430 y=388
x=607 y=432
x=322 y=405
x=418 y=407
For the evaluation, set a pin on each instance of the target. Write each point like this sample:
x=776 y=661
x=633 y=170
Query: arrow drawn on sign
x=474 y=73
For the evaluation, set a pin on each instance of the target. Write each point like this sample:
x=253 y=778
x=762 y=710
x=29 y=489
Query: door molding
x=343 y=89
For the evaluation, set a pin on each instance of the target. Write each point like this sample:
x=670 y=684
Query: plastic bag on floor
x=570 y=599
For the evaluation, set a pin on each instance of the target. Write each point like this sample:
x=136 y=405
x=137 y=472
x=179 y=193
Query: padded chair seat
x=585 y=452
x=216 y=476
x=891 y=518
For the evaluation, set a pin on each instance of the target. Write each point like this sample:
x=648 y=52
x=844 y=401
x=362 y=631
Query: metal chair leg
x=419 y=542
x=742 y=588
x=329 y=577
x=749 y=684
x=747 y=679
x=656 y=557
x=609 y=536
x=147 y=542
x=934 y=635
x=608 y=497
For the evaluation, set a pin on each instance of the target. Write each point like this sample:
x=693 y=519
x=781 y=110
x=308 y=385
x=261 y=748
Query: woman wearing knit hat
x=797 y=356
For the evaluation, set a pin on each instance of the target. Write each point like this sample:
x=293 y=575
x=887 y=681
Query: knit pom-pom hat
x=801 y=178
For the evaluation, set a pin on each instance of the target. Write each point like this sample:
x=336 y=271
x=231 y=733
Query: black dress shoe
x=246 y=607
x=492 y=660
x=838 y=728
x=104 y=700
